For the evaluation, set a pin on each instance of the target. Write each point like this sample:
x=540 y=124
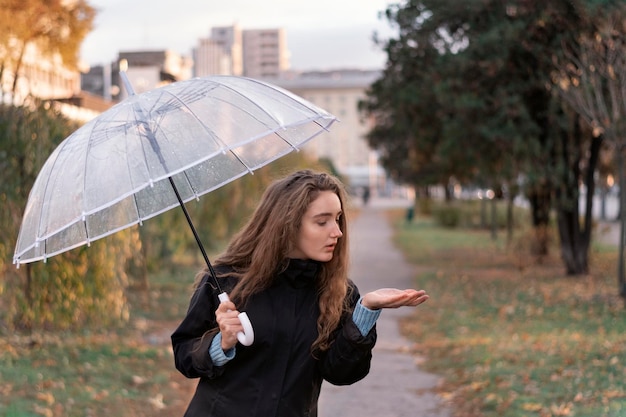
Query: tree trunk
x=448 y=193
x=494 y=220
x=483 y=213
x=573 y=248
x=574 y=239
x=28 y=286
x=18 y=68
x=1 y=81
x=621 y=279
x=509 y=218
x=540 y=200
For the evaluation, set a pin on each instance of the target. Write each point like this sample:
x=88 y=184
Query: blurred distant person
x=366 y=195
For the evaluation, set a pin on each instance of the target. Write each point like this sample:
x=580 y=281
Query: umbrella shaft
x=195 y=234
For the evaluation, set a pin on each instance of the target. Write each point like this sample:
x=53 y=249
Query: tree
x=486 y=92
x=55 y=27
x=591 y=79
x=402 y=102
x=69 y=290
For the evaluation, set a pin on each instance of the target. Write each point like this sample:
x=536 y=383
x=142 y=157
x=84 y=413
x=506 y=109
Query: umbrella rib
x=192 y=113
x=251 y=101
x=150 y=135
x=56 y=159
x=268 y=114
x=193 y=189
x=213 y=135
x=84 y=216
x=260 y=108
x=134 y=194
x=152 y=140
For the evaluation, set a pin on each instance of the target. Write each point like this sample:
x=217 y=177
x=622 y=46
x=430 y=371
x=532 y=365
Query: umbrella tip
x=127 y=85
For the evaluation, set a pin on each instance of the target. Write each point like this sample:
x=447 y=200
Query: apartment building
x=255 y=53
x=265 y=53
x=44 y=77
x=210 y=58
x=150 y=69
x=220 y=54
x=339 y=93
x=146 y=71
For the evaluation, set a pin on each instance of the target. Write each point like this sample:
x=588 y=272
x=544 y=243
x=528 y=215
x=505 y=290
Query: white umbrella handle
x=247 y=336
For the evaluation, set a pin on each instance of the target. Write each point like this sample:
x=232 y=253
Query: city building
x=44 y=77
x=147 y=70
x=38 y=76
x=221 y=53
x=228 y=56
x=265 y=53
x=210 y=58
x=339 y=93
x=254 y=53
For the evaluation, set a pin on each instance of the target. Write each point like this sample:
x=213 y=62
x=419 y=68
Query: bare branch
x=592 y=78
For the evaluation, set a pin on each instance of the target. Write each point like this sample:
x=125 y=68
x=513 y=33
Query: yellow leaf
x=157 y=402
x=561 y=410
x=531 y=407
x=478 y=385
x=46 y=412
x=46 y=397
x=613 y=394
x=446 y=395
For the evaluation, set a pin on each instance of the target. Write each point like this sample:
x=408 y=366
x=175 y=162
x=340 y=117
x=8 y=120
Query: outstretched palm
x=393 y=298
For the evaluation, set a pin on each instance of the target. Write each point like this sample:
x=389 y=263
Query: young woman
x=288 y=270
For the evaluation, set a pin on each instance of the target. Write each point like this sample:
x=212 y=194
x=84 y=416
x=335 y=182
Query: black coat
x=277 y=376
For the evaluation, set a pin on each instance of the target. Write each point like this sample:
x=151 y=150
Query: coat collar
x=300 y=272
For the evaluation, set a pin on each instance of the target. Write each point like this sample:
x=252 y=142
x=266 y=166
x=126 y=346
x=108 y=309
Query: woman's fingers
x=417 y=300
x=394 y=298
x=227 y=318
x=416 y=297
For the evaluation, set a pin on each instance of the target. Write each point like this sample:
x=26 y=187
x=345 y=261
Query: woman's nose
x=337 y=231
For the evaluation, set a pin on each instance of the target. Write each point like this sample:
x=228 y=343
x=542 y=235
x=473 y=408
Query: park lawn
x=126 y=371
x=512 y=338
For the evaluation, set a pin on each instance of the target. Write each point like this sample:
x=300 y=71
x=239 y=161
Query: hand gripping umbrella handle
x=247 y=336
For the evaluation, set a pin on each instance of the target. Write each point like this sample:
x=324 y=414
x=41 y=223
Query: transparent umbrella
x=155 y=151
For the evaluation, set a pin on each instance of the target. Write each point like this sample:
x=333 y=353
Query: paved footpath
x=395 y=386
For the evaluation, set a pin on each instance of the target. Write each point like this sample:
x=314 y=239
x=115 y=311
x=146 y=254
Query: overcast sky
x=321 y=34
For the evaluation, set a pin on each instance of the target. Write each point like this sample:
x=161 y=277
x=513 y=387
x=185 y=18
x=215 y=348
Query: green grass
x=167 y=297
x=514 y=338
x=126 y=371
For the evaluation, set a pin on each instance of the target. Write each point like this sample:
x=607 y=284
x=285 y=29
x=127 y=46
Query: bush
x=425 y=206
x=447 y=215
x=475 y=214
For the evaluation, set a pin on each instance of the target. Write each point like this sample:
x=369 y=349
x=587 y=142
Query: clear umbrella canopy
x=115 y=170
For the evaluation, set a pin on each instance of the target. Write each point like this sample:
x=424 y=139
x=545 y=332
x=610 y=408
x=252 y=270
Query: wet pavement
x=395 y=387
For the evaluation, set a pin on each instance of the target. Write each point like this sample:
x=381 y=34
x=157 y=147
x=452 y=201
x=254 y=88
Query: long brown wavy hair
x=260 y=249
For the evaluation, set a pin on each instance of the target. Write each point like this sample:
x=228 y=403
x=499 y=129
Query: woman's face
x=319 y=231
